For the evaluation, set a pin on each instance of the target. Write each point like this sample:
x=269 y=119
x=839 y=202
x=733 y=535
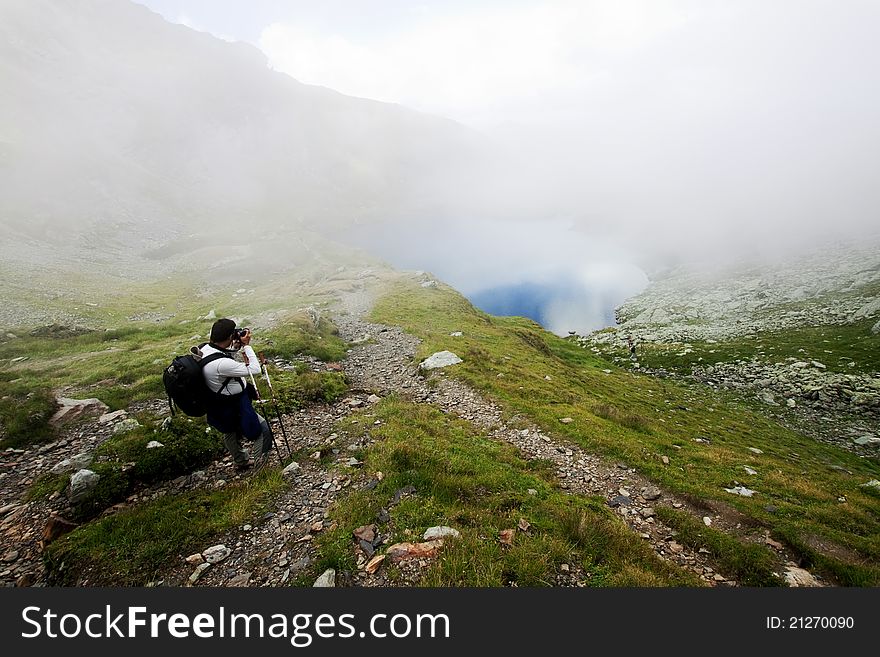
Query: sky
x=698 y=127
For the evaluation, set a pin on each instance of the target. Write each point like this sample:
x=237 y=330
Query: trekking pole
x=275 y=402
x=260 y=400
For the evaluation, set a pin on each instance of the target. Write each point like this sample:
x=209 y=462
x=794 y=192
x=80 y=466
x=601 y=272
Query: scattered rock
x=707 y=521
x=402 y=551
x=755 y=450
x=129 y=424
x=239 y=581
x=216 y=553
x=198 y=572
x=774 y=544
x=291 y=468
x=566 y=420
x=374 y=399
x=365 y=533
x=750 y=471
x=110 y=417
x=195 y=559
x=374 y=563
x=523 y=525
x=326 y=580
x=620 y=500
x=798 y=577
x=400 y=492
x=74 y=463
x=506 y=536
x=867 y=439
x=154 y=444
x=442 y=531
x=740 y=490
x=651 y=493
x=55 y=528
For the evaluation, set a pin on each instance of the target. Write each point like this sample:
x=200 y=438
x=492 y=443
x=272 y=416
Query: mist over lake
x=559 y=277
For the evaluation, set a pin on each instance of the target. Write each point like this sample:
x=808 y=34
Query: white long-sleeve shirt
x=217 y=371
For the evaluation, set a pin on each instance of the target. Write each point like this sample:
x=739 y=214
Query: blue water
x=587 y=309
x=522 y=299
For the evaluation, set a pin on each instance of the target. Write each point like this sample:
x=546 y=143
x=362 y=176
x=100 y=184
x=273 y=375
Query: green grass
x=188 y=445
x=510 y=359
x=46 y=484
x=133 y=546
x=480 y=487
x=299 y=336
x=120 y=366
x=296 y=389
x=24 y=413
x=750 y=564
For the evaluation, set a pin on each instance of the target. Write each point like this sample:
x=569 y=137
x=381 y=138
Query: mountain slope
x=113 y=118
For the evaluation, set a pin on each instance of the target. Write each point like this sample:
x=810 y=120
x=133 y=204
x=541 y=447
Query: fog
x=642 y=132
x=560 y=151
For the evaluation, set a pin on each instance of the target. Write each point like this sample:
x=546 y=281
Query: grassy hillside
x=689 y=441
x=132 y=337
x=809 y=495
x=462 y=479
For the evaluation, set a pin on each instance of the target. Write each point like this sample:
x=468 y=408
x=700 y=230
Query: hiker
x=632 y=348
x=235 y=416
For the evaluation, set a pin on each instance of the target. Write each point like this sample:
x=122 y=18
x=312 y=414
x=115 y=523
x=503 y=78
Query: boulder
x=72 y=464
x=81 y=484
x=111 y=417
x=55 y=528
x=440 y=359
x=71 y=409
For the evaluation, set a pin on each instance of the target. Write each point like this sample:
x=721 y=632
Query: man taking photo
x=233 y=413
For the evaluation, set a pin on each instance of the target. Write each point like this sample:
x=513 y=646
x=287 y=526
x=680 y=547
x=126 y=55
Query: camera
x=239 y=333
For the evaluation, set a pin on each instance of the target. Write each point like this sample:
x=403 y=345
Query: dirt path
x=277 y=547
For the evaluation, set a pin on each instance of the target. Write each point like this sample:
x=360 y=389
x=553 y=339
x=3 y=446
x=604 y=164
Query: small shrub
x=305 y=387
x=186 y=446
x=24 y=415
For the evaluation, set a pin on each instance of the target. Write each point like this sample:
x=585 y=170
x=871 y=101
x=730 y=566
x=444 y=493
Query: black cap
x=222 y=330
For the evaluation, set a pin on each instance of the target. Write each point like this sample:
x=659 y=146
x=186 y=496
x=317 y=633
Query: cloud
x=469 y=64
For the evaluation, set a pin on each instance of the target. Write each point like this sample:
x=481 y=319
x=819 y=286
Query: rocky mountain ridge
x=836 y=285
x=755 y=317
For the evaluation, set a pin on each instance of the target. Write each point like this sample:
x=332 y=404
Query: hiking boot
x=261 y=461
x=242 y=467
